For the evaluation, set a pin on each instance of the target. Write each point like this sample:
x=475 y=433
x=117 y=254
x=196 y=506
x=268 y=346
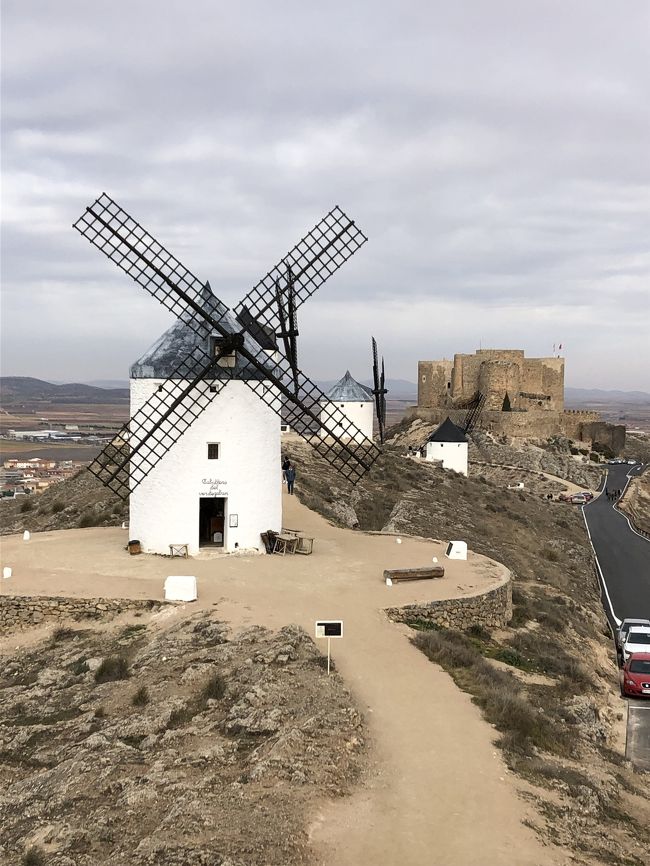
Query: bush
x=62 y=633
x=25 y=506
x=111 y=669
x=141 y=697
x=89 y=518
x=57 y=506
x=215 y=688
x=34 y=857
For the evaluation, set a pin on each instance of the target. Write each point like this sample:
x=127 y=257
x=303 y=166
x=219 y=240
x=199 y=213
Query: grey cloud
x=496 y=155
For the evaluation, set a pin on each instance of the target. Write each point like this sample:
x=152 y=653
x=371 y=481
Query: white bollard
x=389 y=582
x=6 y=571
x=26 y=535
x=399 y=540
x=435 y=559
x=180 y=587
x=456 y=550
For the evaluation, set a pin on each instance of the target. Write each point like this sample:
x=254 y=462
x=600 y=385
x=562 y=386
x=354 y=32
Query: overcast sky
x=497 y=155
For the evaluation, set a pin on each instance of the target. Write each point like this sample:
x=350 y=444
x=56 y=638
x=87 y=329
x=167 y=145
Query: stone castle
x=524 y=397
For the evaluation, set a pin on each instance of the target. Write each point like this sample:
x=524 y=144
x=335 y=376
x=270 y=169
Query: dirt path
x=438 y=790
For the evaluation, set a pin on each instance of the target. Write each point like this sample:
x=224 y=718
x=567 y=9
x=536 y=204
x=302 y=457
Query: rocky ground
x=79 y=502
x=170 y=746
x=636 y=501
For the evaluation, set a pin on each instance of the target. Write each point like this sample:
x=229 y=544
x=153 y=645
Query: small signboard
x=329 y=628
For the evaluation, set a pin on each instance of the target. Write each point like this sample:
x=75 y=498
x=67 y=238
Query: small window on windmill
x=227 y=360
x=213 y=450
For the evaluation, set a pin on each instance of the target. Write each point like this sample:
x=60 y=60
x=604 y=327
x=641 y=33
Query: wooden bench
x=179 y=550
x=400 y=575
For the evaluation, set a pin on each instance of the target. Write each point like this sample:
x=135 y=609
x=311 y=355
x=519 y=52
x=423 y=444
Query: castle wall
x=434 y=382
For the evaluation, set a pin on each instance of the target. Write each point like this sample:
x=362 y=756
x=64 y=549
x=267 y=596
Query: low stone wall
x=492 y=609
x=22 y=611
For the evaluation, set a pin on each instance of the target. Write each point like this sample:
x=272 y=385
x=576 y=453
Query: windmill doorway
x=212 y=521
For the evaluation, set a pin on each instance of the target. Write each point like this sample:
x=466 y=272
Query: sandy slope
x=438 y=790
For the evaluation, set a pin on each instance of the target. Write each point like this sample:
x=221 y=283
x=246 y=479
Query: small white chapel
x=448 y=446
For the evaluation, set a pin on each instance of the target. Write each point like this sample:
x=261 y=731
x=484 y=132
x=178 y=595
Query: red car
x=635 y=682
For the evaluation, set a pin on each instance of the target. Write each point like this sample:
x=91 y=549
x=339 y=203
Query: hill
x=596 y=395
x=19 y=390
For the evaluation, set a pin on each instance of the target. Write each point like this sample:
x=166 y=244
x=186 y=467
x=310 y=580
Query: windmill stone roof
x=173 y=347
x=348 y=390
x=448 y=432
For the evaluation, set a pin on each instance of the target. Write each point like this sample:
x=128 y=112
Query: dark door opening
x=212 y=521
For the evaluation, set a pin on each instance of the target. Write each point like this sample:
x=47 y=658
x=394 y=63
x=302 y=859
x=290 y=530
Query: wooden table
x=285 y=544
x=179 y=550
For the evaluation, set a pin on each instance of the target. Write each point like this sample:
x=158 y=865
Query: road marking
x=616 y=508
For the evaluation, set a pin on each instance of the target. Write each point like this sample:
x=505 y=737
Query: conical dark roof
x=448 y=432
x=348 y=390
x=175 y=345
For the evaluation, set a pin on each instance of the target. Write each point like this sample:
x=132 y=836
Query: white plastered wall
x=453 y=455
x=360 y=414
x=164 y=507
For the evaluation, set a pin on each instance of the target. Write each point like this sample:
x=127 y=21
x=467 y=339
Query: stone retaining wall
x=21 y=611
x=492 y=609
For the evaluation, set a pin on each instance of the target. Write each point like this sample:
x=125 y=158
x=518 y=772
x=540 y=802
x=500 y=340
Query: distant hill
x=16 y=390
x=597 y=395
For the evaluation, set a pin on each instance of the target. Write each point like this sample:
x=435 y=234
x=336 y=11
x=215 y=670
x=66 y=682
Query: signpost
x=329 y=628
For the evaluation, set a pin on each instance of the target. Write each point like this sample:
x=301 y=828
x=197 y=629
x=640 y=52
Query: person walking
x=285 y=465
x=291 y=477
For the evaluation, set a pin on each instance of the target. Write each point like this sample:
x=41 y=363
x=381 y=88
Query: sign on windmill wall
x=213 y=487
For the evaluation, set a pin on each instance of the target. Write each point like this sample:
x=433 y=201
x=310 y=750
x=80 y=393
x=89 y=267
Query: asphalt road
x=623 y=555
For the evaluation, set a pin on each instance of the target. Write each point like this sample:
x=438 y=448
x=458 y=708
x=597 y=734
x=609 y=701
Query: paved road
x=624 y=556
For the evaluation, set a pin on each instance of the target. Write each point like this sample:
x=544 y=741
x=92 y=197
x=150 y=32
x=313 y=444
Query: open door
x=212 y=521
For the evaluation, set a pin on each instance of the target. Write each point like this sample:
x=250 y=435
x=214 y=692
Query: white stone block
x=456 y=550
x=26 y=535
x=6 y=571
x=180 y=587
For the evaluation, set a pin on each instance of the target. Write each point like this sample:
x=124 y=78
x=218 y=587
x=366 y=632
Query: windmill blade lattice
x=312 y=261
x=137 y=253
x=157 y=425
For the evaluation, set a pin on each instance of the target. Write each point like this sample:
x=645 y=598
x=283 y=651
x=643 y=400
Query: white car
x=626 y=625
x=637 y=641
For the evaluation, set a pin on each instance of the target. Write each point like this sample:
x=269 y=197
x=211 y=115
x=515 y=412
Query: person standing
x=290 y=474
x=285 y=465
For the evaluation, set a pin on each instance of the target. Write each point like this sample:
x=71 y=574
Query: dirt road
x=438 y=790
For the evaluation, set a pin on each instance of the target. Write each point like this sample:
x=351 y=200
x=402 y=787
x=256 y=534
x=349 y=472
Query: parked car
x=578 y=499
x=637 y=641
x=626 y=625
x=587 y=494
x=635 y=676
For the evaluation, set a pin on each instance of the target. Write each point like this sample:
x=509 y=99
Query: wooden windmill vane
x=254 y=344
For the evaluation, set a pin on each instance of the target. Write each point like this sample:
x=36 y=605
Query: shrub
x=550 y=554
x=215 y=688
x=100 y=713
x=34 y=857
x=112 y=668
x=57 y=506
x=25 y=506
x=141 y=697
x=63 y=633
x=89 y=518
x=479 y=631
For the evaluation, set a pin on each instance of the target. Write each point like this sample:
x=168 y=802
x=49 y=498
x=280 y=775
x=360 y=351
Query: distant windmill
x=183 y=380
x=379 y=391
